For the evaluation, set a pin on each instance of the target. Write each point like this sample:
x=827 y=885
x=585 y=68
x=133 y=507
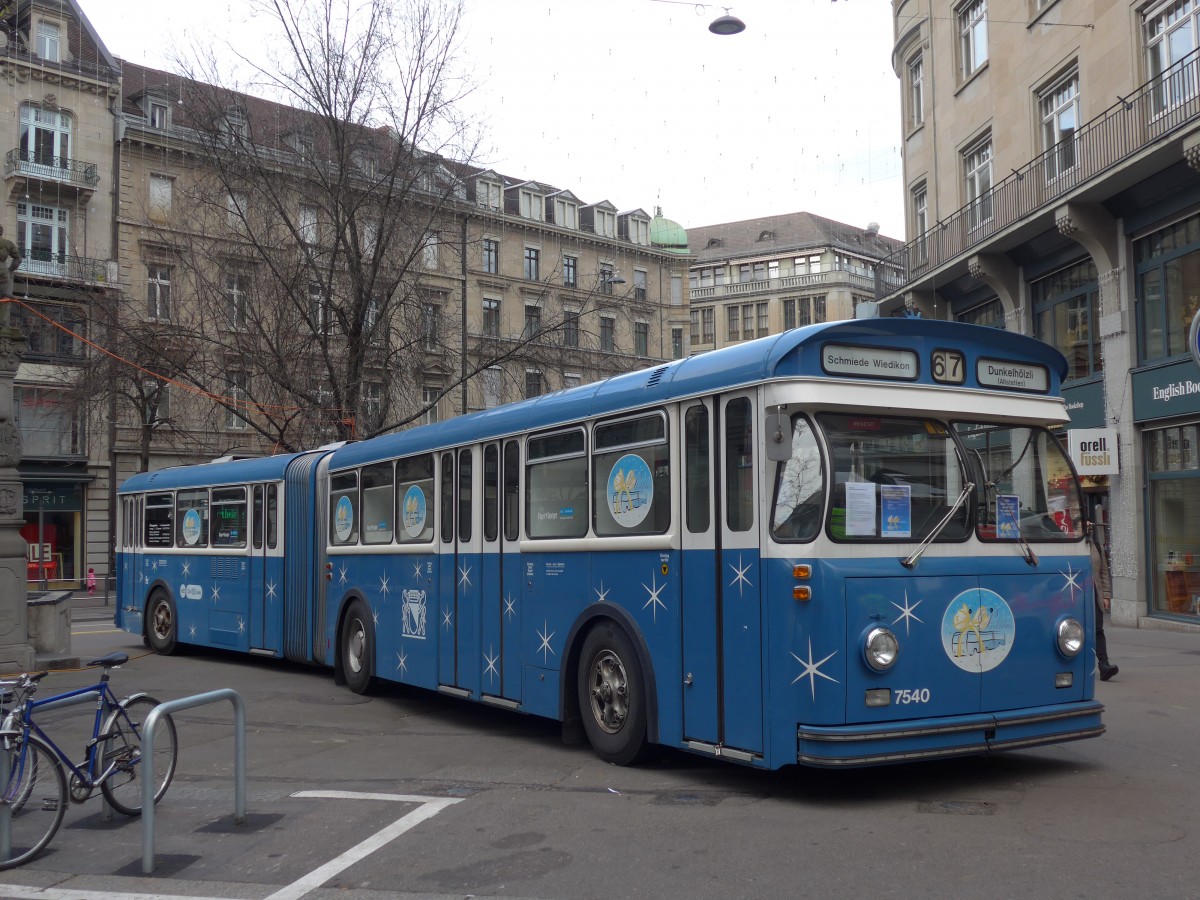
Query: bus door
x=722 y=620
x=266 y=590
x=459 y=654
x=133 y=540
x=500 y=661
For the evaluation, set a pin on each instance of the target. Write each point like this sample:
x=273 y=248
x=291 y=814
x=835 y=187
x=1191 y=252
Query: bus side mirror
x=778 y=431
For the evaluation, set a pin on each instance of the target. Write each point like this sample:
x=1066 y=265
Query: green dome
x=668 y=235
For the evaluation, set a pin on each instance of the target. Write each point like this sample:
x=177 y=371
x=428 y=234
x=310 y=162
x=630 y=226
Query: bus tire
x=358 y=648
x=612 y=700
x=162 y=624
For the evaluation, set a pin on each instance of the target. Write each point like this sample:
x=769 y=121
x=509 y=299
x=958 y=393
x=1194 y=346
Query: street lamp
x=722 y=25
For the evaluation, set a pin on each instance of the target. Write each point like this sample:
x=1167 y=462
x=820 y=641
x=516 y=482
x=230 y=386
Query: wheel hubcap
x=355 y=646
x=609 y=692
x=162 y=620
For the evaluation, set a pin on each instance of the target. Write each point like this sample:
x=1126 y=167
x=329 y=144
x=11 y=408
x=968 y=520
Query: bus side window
x=378 y=503
x=491 y=492
x=229 y=517
x=698 y=485
x=447 y=504
x=464 y=494
x=258 y=516
x=343 y=509
x=160 y=516
x=512 y=490
x=414 y=492
x=191 y=518
x=272 y=516
x=739 y=465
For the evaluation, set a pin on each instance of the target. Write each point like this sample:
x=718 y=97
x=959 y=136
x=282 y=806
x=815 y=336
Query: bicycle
x=33 y=787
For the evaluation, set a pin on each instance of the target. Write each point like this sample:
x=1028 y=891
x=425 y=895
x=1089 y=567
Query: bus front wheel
x=612 y=698
x=161 y=624
x=358 y=648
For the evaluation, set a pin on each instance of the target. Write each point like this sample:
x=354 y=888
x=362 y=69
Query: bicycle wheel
x=123 y=746
x=33 y=801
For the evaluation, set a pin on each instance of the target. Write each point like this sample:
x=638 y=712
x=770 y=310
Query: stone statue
x=10 y=258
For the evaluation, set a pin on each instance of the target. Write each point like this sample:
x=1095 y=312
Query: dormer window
x=366 y=161
x=487 y=195
x=713 y=242
x=235 y=126
x=532 y=206
x=767 y=236
x=48 y=41
x=606 y=223
x=566 y=214
x=639 y=231
x=159 y=115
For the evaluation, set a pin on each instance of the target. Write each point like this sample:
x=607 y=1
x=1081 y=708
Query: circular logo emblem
x=978 y=630
x=191 y=527
x=414 y=512
x=630 y=490
x=343 y=519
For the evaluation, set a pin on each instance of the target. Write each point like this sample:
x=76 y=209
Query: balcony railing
x=1155 y=111
x=50 y=168
x=832 y=278
x=61 y=265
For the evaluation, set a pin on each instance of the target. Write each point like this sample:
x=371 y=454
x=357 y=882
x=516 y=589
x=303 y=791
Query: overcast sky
x=634 y=101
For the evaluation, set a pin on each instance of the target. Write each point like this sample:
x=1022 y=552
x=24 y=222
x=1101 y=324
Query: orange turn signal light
x=803 y=571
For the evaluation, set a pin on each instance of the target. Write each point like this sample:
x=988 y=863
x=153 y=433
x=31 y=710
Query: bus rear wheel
x=162 y=624
x=612 y=699
x=358 y=648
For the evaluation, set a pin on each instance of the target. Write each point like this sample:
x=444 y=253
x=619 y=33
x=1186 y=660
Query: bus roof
x=234 y=471
x=794 y=353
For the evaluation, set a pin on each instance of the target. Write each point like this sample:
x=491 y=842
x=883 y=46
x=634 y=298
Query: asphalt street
x=409 y=794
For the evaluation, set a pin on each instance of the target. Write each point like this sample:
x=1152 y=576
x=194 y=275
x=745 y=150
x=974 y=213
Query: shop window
x=1168 y=288
x=1066 y=308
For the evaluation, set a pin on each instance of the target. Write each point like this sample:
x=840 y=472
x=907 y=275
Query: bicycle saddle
x=113 y=659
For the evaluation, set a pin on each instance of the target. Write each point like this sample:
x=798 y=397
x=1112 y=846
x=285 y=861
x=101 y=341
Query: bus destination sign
x=1019 y=376
x=869 y=362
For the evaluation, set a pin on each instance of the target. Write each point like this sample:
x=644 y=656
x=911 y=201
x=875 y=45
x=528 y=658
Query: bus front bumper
x=916 y=739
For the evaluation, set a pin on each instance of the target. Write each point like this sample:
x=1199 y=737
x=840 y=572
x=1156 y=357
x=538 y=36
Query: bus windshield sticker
x=631 y=490
x=895 y=509
x=191 y=527
x=869 y=362
x=1008 y=516
x=343 y=519
x=978 y=630
x=414 y=511
x=1018 y=376
x=860 y=508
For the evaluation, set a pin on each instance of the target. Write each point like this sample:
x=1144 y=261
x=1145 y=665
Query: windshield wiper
x=989 y=488
x=911 y=560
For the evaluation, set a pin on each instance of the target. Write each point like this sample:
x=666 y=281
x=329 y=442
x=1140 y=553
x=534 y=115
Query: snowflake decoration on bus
x=907 y=612
x=1071 y=581
x=654 y=589
x=491 y=659
x=546 y=636
x=739 y=575
x=812 y=670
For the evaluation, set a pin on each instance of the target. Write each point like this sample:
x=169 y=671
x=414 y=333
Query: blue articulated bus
x=849 y=544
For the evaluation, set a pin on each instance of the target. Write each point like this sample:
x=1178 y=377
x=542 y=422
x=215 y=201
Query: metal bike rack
x=239 y=762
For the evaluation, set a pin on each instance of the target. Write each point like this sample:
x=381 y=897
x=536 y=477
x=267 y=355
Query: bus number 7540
x=918 y=695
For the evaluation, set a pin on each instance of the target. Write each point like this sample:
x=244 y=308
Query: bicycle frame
x=105 y=700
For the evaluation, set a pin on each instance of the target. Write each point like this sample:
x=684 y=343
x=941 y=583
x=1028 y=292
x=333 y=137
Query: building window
x=789 y=314
x=989 y=313
x=748 y=321
x=487 y=195
x=1172 y=32
x=819 y=308
x=492 y=380
x=372 y=404
x=764 y=319
x=639 y=284
x=157 y=398
x=159 y=113
x=977 y=182
x=1168 y=286
x=533 y=383
x=370 y=315
x=608 y=341
x=430 y=395
x=707 y=325
x=571 y=328
x=676 y=343
x=306 y=224
x=920 y=208
x=566 y=214
x=491 y=317
x=236 y=206
x=571 y=381
x=429 y=250
x=235 y=299
x=972 y=30
x=570 y=271
x=808 y=265
x=236 y=394
x=316 y=307
x=45 y=139
x=606 y=223
x=773 y=269
x=491 y=256
x=532 y=206
x=606 y=279
x=429 y=325
x=695 y=323
x=158 y=292
x=533 y=322
x=48 y=37
x=916 y=91
x=1065 y=316
x=532 y=264
x=804 y=311
x=1059 y=106
x=641 y=339
x=639 y=231
x=734 y=317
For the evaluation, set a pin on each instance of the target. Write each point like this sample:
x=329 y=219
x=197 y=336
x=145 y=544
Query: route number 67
x=949 y=366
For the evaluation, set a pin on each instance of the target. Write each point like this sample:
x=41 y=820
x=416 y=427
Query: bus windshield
x=893 y=479
x=1026 y=487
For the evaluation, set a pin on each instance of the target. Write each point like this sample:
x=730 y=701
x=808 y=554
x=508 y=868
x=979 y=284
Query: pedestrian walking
x=1102 y=582
x=91 y=581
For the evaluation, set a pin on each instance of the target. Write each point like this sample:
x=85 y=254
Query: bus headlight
x=881 y=649
x=1069 y=635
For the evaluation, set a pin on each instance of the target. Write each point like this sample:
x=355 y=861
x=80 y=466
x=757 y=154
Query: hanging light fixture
x=727 y=24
